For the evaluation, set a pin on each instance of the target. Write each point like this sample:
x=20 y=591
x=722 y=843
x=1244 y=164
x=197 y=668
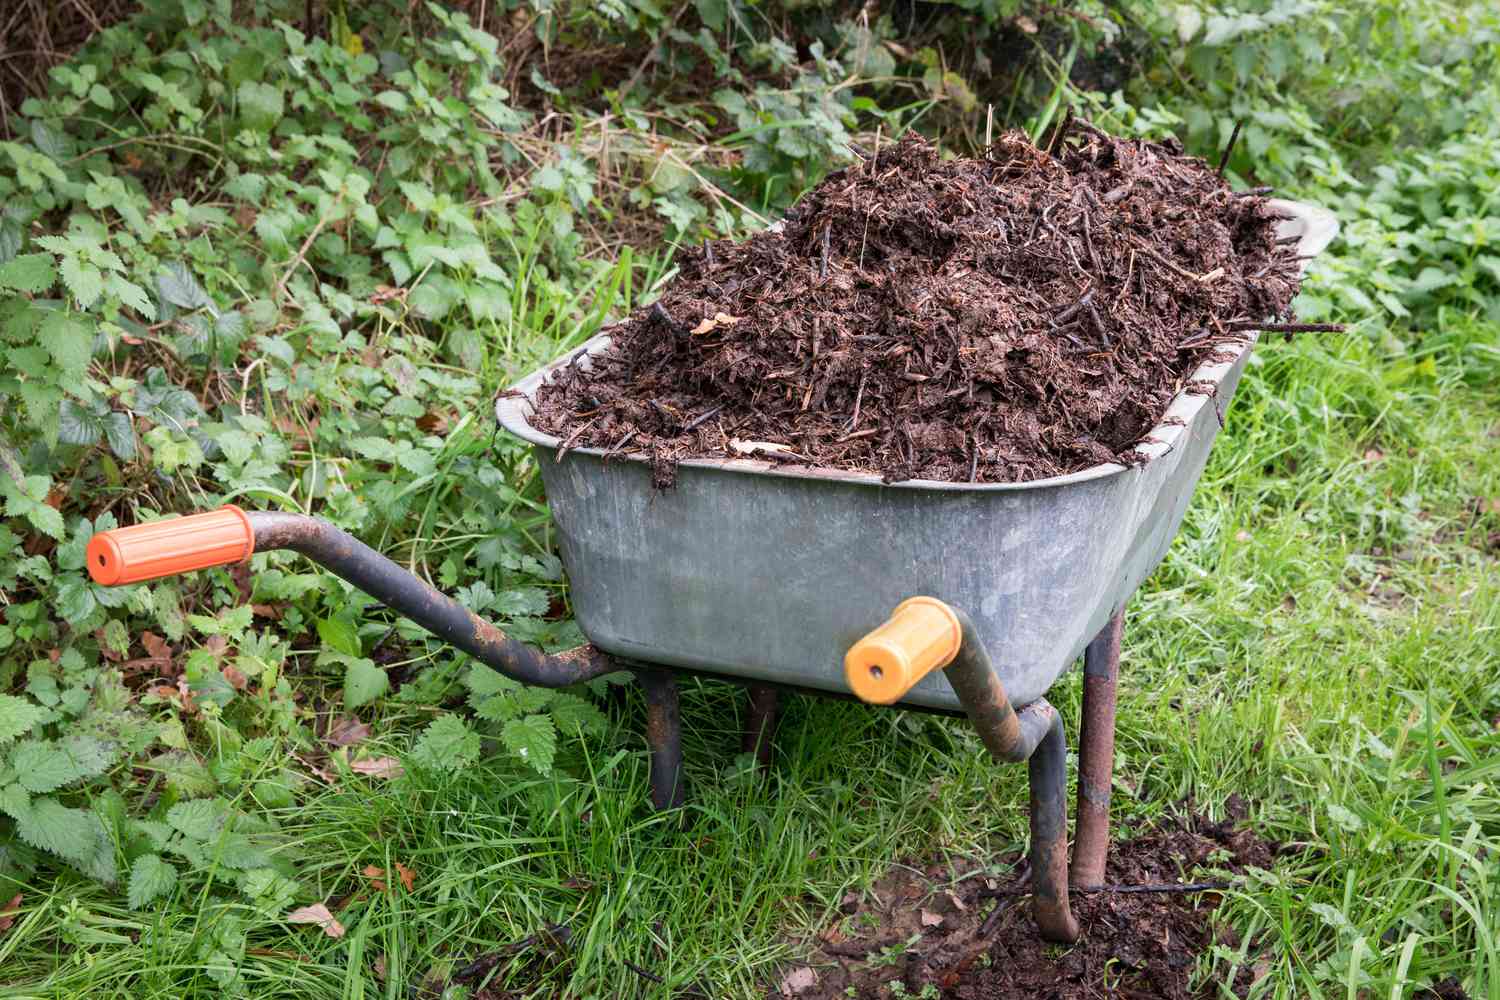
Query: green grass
x=1323 y=640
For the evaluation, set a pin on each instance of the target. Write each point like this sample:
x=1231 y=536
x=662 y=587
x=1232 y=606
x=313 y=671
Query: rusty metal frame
x=1096 y=754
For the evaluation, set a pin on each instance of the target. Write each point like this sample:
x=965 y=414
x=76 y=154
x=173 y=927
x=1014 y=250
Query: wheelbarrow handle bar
x=228 y=535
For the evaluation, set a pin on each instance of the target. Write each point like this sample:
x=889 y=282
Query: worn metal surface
x=769 y=573
x=346 y=556
x=663 y=737
x=1096 y=754
x=1048 y=774
x=760 y=723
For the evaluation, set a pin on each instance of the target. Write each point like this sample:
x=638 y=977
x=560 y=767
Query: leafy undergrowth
x=242 y=264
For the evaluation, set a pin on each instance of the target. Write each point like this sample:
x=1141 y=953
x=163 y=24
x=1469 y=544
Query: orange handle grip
x=922 y=635
x=166 y=548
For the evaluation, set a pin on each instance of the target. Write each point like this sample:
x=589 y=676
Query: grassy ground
x=1323 y=640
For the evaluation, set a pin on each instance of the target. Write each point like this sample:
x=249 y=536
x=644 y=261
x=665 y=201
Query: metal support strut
x=664 y=737
x=1035 y=735
x=1096 y=754
x=760 y=723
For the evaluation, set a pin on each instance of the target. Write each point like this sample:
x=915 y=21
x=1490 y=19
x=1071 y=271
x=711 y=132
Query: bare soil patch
x=974 y=939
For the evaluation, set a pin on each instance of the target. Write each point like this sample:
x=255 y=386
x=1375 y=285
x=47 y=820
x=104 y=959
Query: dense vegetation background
x=283 y=254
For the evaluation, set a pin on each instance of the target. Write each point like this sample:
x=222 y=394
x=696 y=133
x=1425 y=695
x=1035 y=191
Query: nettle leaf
x=533 y=739
x=52 y=826
x=17 y=716
x=32 y=272
x=571 y=713
x=47 y=765
x=84 y=281
x=363 y=682
x=198 y=819
x=150 y=879
x=447 y=744
x=69 y=339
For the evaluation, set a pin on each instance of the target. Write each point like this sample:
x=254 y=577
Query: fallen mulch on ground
x=1001 y=319
x=919 y=929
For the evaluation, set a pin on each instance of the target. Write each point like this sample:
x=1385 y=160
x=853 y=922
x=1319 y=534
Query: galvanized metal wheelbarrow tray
x=769 y=572
x=786 y=577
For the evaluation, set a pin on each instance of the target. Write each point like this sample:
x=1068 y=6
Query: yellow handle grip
x=922 y=635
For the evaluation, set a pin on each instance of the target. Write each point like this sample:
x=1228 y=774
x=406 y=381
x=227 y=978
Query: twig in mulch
x=700 y=418
x=1234 y=137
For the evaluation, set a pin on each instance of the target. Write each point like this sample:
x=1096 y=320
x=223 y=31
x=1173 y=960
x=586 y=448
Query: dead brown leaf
x=8 y=913
x=347 y=732
x=930 y=919
x=799 y=981
x=318 y=914
x=271 y=611
x=378 y=767
x=406 y=875
x=236 y=678
x=376 y=876
x=1373 y=454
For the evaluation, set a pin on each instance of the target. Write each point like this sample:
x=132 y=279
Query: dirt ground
x=952 y=930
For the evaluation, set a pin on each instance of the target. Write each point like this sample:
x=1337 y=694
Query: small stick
x=1088 y=240
x=823 y=265
x=974 y=461
x=1255 y=192
x=1063 y=317
x=708 y=252
x=1234 y=137
x=1288 y=240
x=1289 y=327
x=620 y=444
x=1118 y=194
x=563 y=451
x=644 y=974
x=705 y=415
x=989 y=126
x=859 y=396
x=1062 y=129
x=1211 y=276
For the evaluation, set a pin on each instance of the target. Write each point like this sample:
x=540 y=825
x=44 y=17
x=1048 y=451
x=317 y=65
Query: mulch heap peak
x=1027 y=313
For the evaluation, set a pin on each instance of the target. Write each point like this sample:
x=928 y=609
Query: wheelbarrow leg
x=1047 y=771
x=1096 y=754
x=760 y=723
x=664 y=737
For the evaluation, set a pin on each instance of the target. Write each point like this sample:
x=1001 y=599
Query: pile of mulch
x=975 y=938
x=1028 y=313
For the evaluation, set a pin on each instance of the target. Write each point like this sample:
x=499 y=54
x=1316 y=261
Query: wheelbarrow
x=947 y=597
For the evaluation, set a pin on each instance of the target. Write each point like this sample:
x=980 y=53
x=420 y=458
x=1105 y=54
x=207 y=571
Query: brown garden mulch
x=1023 y=314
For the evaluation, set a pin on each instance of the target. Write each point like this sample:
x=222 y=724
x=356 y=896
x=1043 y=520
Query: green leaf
x=30 y=272
x=52 y=826
x=69 y=339
x=14 y=801
x=447 y=744
x=77 y=424
x=571 y=712
x=84 y=281
x=17 y=716
x=150 y=878
x=46 y=765
x=363 y=682
x=261 y=104
x=533 y=739
x=102 y=97
x=176 y=284
x=340 y=634
x=197 y=819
